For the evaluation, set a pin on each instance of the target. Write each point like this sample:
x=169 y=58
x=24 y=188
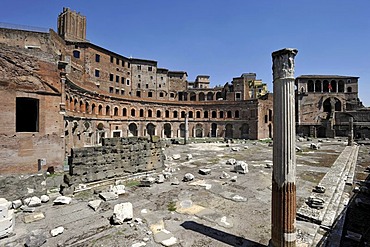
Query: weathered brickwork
x=116 y=157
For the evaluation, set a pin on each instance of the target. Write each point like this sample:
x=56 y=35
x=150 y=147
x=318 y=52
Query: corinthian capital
x=283 y=63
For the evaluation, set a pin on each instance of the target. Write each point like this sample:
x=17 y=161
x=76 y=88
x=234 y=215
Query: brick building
x=60 y=91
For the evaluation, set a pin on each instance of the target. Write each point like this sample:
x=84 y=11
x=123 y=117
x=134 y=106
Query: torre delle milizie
x=60 y=91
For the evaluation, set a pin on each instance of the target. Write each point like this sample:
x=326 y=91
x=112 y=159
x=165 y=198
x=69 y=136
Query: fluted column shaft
x=284 y=170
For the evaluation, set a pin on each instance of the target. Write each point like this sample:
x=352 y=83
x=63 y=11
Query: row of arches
x=327 y=86
x=199 y=96
x=72 y=104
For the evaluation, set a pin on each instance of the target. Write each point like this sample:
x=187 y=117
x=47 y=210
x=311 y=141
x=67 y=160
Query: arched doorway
x=182 y=130
x=245 y=131
x=150 y=129
x=132 y=129
x=167 y=130
x=198 y=130
x=229 y=131
x=213 y=130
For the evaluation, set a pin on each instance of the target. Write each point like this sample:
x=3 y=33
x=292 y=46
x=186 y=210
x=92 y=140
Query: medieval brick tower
x=72 y=25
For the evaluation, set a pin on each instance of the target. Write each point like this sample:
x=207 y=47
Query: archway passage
x=245 y=131
x=167 y=130
x=132 y=129
x=332 y=104
x=327 y=105
x=229 y=131
x=150 y=129
x=182 y=130
x=213 y=130
x=198 y=130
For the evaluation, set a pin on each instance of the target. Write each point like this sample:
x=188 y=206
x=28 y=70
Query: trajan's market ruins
x=100 y=149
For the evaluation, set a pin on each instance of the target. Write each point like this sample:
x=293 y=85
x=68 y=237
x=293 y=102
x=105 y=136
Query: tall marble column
x=186 y=134
x=283 y=231
x=350 y=135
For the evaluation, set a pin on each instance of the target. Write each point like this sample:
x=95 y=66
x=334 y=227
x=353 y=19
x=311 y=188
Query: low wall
x=116 y=157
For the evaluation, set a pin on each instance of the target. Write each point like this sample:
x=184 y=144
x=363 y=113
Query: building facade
x=60 y=91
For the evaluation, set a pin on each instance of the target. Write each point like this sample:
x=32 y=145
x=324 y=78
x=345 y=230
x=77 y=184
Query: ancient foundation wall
x=116 y=157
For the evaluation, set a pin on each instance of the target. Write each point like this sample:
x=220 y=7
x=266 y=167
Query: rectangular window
x=150 y=68
x=161 y=94
x=117 y=91
x=238 y=96
x=150 y=94
x=111 y=77
x=97 y=73
x=76 y=54
x=110 y=89
x=162 y=78
x=138 y=85
x=139 y=67
x=111 y=59
x=128 y=82
x=123 y=63
x=128 y=65
x=27 y=115
x=138 y=94
x=123 y=80
x=139 y=76
x=151 y=77
x=117 y=61
x=122 y=92
x=117 y=78
x=159 y=85
x=146 y=85
x=97 y=58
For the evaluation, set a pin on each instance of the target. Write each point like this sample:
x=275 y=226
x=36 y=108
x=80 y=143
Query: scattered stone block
x=241 y=167
x=301 y=139
x=224 y=175
x=27 y=209
x=33 y=217
x=298 y=149
x=44 y=198
x=36 y=238
x=175 y=181
x=62 y=200
x=224 y=222
x=117 y=189
x=160 y=179
x=268 y=165
x=231 y=162
x=315 y=146
x=32 y=201
x=16 y=204
x=189 y=156
x=234 y=179
x=140 y=244
x=57 y=231
x=108 y=196
x=205 y=171
x=188 y=177
x=122 y=212
x=7 y=218
x=165 y=237
x=235 y=149
x=176 y=156
x=95 y=204
x=147 y=181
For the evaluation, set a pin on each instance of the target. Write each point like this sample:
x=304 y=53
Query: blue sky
x=221 y=38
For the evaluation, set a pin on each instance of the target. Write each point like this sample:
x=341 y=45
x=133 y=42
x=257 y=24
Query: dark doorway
x=27 y=115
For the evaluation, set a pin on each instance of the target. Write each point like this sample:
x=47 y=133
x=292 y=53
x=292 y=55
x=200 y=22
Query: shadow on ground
x=221 y=236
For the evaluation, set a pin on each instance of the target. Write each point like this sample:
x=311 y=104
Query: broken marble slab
x=108 y=196
x=29 y=218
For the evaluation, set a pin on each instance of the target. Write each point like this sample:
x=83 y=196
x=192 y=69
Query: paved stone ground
x=207 y=211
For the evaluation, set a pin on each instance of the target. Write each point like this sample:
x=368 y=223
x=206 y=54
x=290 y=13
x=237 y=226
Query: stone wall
x=116 y=157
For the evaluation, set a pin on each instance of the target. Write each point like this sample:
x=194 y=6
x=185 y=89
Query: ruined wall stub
x=116 y=157
x=283 y=177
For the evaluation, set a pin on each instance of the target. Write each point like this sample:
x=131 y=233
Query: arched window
x=205 y=114
x=75 y=103
x=115 y=111
x=341 y=86
x=100 y=110
x=167 y=113
x=209 y=96
x=325 y=86
x=218 y=95
x=237 y=114
x=318 y=86
x=175 y=114
x=229 y=114
x=202 y=97
x=334 y=86
x=214 y=114
x=150 y=113
x=93 y=109
x=133 y=112
x=198 y=114
x=158 y=113
x=183 y=114
x=107 y=110
x=87 y=107
x=190 y=114
x=221 y=114
x=310 y=86
x=141 y=113
x=193 y=96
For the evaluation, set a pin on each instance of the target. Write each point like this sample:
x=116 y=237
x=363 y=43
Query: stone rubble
x=241 y=167
x=188 y=177
x=117 y=189
x=122 y=212
x=205 y=171
x=189 y=156
x=95 y=204
x=57 y=231
x=7 y=218
x=108 y=196
x=32 y=201
x=44 y=198
x=62 y=200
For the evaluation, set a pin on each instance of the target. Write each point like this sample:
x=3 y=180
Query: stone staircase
x=335 y=200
